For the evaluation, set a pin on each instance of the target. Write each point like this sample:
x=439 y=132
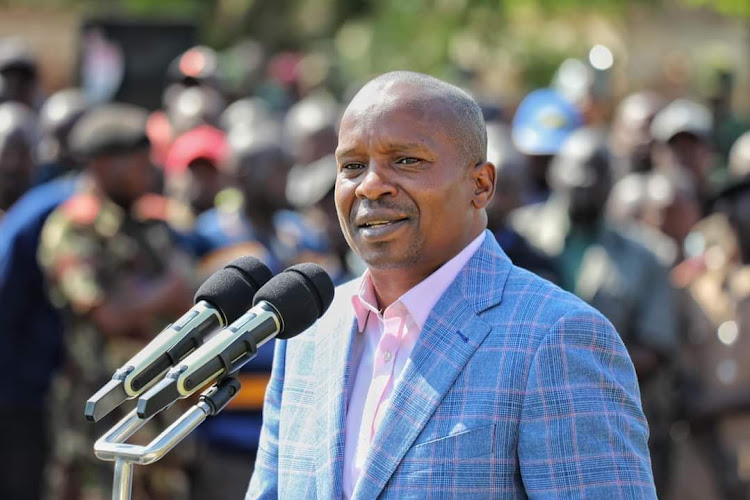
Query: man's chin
x=386 y=258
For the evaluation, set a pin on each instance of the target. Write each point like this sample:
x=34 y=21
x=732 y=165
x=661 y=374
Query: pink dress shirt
x=380 y=352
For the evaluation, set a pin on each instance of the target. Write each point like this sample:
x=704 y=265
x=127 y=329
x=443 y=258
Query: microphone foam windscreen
x=301 y=294
x=231 y=289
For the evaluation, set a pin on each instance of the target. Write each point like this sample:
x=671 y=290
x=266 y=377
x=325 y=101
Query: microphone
x=219 y=301
x=284 y=307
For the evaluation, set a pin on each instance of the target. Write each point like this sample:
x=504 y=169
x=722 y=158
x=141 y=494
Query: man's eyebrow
x=345 y=152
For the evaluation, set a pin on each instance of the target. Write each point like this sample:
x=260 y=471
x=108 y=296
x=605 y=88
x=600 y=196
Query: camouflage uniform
x=92 y=249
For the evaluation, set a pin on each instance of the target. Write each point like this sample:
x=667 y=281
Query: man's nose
x=376 y=183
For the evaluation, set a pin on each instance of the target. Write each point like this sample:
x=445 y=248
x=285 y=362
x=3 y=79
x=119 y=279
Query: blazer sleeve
x=264 y=481
x=582 y=430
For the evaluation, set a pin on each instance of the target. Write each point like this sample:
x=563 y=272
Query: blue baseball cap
x=543 y=121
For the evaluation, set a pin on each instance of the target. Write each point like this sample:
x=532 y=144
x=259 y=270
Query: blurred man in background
x=119 y=278
x=195 y=167
x=32 y=329
x=715 y=286
x=511 y=172
x=610 y=271
x=542 y=122
x=18 y=72
x=631 y=139
x=17 y=142
x=682 y=132
x=58 y=115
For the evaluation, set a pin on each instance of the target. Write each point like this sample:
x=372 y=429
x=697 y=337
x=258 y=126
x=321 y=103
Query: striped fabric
x=514 y=389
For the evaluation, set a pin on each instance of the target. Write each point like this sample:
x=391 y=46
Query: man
x=444 y=371
x=118 y=277
x=715 y=286
x=57 y=117
x=18 y=72
x=194 y=167
x=511 y=177
x=614 y=273
x=683 y=132
x=630 y=137
x=543 y=121
x=16 y=152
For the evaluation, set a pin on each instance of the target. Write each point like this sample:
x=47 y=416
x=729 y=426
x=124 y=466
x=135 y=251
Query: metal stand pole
x=112 y=447
x=122 y=489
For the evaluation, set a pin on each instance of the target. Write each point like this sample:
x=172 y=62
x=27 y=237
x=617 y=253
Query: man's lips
x=380 y=223
x=374 y=221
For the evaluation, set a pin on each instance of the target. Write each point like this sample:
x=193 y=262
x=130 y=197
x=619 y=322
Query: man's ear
x=483 y=174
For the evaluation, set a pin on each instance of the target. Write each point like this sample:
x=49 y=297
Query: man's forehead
x=395 y=111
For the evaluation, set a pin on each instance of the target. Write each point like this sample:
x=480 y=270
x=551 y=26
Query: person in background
x=630 y=135
x=612 y=272
x=542 y=122
x=18 y=73
x=682 y=132
x=511 y=181
x=17 y=142
x=715 y=288
x=657 y=208
x=118 y=278
x=243 y=218
x=194 y=167
x=58 y=115
x=310 y=129
x=32 y=326
x=247 y=220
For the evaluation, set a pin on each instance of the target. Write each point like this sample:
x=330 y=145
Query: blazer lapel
x=452 y=333
x=332 y=366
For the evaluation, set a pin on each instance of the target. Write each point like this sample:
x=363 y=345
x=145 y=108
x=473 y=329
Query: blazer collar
x=452 y=333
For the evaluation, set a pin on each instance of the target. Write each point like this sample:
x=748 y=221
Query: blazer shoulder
x=530 y=296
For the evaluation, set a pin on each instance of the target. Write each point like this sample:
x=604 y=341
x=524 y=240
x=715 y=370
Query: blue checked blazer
x=514 y=389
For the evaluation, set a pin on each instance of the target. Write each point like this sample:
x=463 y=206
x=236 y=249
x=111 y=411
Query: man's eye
x=407 y=160
x=353 y=166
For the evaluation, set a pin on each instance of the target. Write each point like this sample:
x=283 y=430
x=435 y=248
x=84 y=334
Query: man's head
x=57 y=117
x=413 y=181
x=259 y=169
x=18 y=72
x=310 y=128
x=631 y=131
x=542 y=122
x=194 y=166
x=682 y=132
x=581 y=175
x=16 y=151
x=112 y=140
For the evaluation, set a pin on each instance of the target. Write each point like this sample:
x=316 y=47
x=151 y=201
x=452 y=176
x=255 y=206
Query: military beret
x=110 y=129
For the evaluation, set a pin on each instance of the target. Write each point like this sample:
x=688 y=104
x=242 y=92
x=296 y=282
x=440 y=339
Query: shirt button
x=386 y=356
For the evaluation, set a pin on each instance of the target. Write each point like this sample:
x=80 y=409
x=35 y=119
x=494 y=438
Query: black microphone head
x=301 y=294
x=232 y=288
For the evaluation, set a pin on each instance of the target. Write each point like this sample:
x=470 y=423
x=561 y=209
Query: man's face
x=16 y=168
x=204 y=182
x=127 y=177
x=403 y=190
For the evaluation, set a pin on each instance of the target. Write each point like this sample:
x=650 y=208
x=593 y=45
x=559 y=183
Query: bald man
x=444 y=371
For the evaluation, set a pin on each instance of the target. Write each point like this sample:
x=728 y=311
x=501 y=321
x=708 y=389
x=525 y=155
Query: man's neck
x=391 y=284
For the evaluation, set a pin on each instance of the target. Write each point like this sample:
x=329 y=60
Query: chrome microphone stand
x=112 y=447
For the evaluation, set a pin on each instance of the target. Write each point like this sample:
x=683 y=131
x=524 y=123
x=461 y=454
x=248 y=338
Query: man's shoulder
x=532 y=300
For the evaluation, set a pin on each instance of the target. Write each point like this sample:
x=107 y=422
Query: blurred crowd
x=111 y=216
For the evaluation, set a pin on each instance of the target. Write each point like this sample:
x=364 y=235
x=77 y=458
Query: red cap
x=204 y=141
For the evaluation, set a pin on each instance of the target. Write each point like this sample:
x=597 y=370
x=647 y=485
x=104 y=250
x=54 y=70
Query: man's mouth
x=380 y=223
x=376 y=229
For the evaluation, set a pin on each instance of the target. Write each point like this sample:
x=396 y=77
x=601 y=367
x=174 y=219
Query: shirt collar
x=420 y=299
